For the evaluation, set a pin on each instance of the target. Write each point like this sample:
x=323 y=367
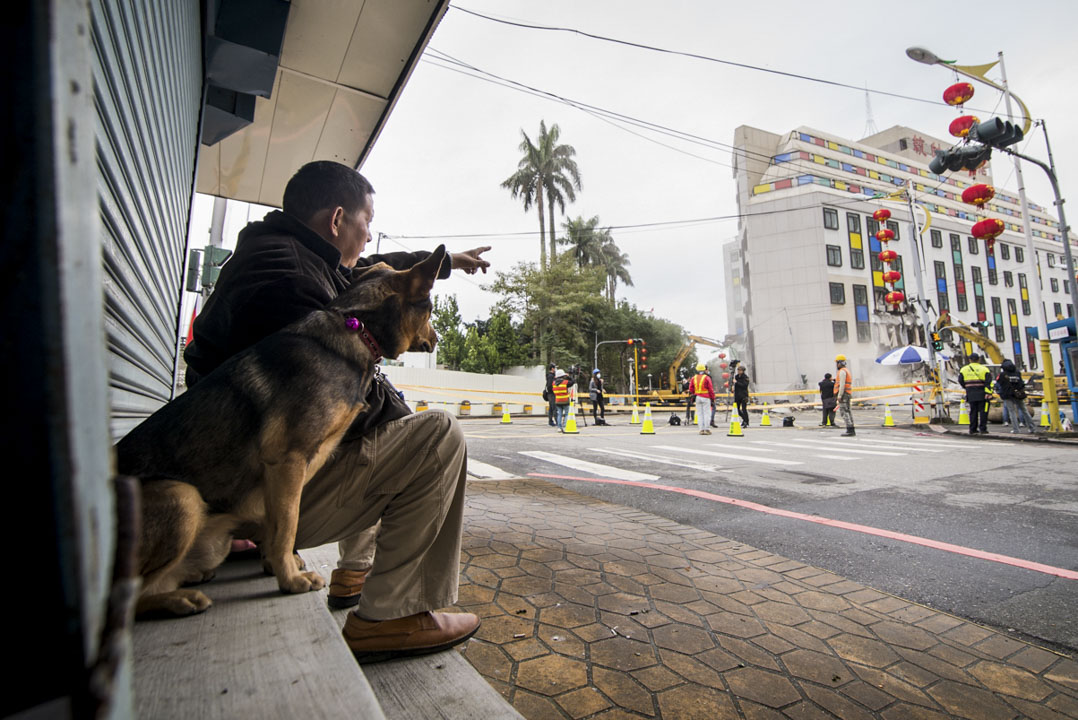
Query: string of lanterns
x=894 y=298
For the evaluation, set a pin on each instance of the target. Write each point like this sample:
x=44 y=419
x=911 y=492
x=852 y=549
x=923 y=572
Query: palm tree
x=547 y=168
x=617 y=267
x=586 y=239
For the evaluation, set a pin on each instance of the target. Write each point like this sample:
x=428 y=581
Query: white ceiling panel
x=383 y=43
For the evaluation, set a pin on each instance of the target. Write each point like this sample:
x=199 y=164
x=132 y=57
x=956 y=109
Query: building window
x=834 y=256
x=941 y=285
x=893 y=227
x=997 y=319
x=1057 y=309
x=1024 y=292
x=1016 y=336
x=830 y=218
x=864 y=332
x=838 y=294
x=1005 y=251
x=937 y=238
x=1055 y=283
x=972 y=242
x=1066 y=287
x=1019 y=255
x=1051 y=260
x=959 y=273
x=838 y=329
x=1008 y=278
x=857 y=251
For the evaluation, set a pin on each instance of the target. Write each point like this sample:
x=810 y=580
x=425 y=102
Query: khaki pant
x=409 y=474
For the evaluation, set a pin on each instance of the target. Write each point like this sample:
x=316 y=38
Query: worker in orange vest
x=844 y=393
x=705 y=398
x=561 y=397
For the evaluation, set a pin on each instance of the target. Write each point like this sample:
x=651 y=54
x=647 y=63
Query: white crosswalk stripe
x=589 y=467
x=834 y=446
x=661 y=460
x=735 y=456
x=487 y=472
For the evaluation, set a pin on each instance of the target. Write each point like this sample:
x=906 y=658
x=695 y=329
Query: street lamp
x=978 y=72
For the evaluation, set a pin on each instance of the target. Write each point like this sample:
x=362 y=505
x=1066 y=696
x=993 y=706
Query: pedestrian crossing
x=648 y=462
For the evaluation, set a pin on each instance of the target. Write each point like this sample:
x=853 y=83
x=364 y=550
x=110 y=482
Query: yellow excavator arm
x=995 y=355
x=691 y=342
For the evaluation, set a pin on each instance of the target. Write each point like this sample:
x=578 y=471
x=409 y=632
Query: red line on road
x=867 y=530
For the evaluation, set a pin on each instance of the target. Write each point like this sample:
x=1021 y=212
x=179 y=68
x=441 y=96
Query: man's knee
x=443 y=429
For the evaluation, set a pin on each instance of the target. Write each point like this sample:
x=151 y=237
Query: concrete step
x=255 y=654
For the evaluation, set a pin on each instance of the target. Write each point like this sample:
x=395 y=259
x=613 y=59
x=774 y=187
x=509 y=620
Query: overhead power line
x=694 y=56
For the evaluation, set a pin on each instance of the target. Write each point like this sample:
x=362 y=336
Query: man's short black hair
x=325 y=184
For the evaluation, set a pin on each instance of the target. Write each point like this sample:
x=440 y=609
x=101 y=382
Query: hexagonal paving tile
x=568 y=615
x=622 y=653
x=683 y=638
x=552 y=675
x=691 y=702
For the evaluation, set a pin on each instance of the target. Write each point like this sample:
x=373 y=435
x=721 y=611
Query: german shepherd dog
x=236 y=449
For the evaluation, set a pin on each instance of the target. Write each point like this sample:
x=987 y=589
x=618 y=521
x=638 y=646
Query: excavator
x=672 y=392
x=968 y=332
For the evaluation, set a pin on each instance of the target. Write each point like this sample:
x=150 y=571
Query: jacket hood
x=1007 y=366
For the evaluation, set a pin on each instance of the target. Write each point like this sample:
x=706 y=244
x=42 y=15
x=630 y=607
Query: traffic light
x=213 y=258
x=983 y=324
x=996 y=133
x=937 y=343
x=964 y=157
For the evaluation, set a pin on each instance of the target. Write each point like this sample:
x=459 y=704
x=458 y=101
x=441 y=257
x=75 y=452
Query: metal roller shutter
x=147 y=71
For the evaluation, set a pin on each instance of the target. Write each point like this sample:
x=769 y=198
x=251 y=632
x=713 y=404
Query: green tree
x=586 y=240
x=445 y=318
x=547 y=172
x=616 y=263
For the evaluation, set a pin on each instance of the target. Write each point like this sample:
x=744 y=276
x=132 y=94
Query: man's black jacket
x=283 y=270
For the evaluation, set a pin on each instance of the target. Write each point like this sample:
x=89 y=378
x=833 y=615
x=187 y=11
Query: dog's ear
x=423 y=274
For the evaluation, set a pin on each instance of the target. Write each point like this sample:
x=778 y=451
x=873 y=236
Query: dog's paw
x=267 y=566
x=179 y=603
x=302 y=582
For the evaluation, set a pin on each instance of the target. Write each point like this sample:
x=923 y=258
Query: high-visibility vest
x=848 y=384
x=976 y=375
x=698 y=384
x=561 y=392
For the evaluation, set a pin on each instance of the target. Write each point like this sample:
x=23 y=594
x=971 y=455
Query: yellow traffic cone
x=648 y=428
x=963 y=414
x=635 y=420
x=506 y=420
x=888 y=421
x=1044 y=415
x=570 y=422
x=765 y=421
x=735 y=428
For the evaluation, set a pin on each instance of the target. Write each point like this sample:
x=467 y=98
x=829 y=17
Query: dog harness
x=365 y=335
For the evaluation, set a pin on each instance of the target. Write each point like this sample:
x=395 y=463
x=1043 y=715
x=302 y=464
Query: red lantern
x=722 y=356
x=885 y=235
x=892 y=276
x=978 y=194
x=961 y=126
x=988 y=229
x=726 y=384
x=958 y=93
x=881 y=215
x=894 y=298
x=726 y=376
x=888 y=256
x=723 y=365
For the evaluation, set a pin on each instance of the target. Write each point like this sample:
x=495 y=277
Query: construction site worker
x=705 y=398
x=598 y=399
x=560 y=388
x=741 y=394
x=977 y=380
x=844 y=393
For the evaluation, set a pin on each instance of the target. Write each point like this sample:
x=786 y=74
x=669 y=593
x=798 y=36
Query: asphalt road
x=1001 y=496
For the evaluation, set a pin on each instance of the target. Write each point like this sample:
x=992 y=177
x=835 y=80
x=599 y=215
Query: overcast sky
x=452 y=139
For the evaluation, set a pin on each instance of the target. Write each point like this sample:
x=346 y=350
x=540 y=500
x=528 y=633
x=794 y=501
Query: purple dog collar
x=365 y=335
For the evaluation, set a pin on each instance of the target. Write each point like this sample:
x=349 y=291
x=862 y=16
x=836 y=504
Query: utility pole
x=922 y=310
x=1033 y=270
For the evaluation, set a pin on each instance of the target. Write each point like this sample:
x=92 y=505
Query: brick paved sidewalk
x=594 y=610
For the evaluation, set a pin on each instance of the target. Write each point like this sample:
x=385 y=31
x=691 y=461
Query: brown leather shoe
x=345 y=587
x=418 y=634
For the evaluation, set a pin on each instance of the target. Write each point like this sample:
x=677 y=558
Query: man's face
x=353 y=232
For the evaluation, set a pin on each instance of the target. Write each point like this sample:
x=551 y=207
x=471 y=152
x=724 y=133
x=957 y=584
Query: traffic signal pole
x=922 y=310
x=1032 y=267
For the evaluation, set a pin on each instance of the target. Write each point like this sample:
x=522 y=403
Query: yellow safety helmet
x=700 y=367
x=840 y=358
